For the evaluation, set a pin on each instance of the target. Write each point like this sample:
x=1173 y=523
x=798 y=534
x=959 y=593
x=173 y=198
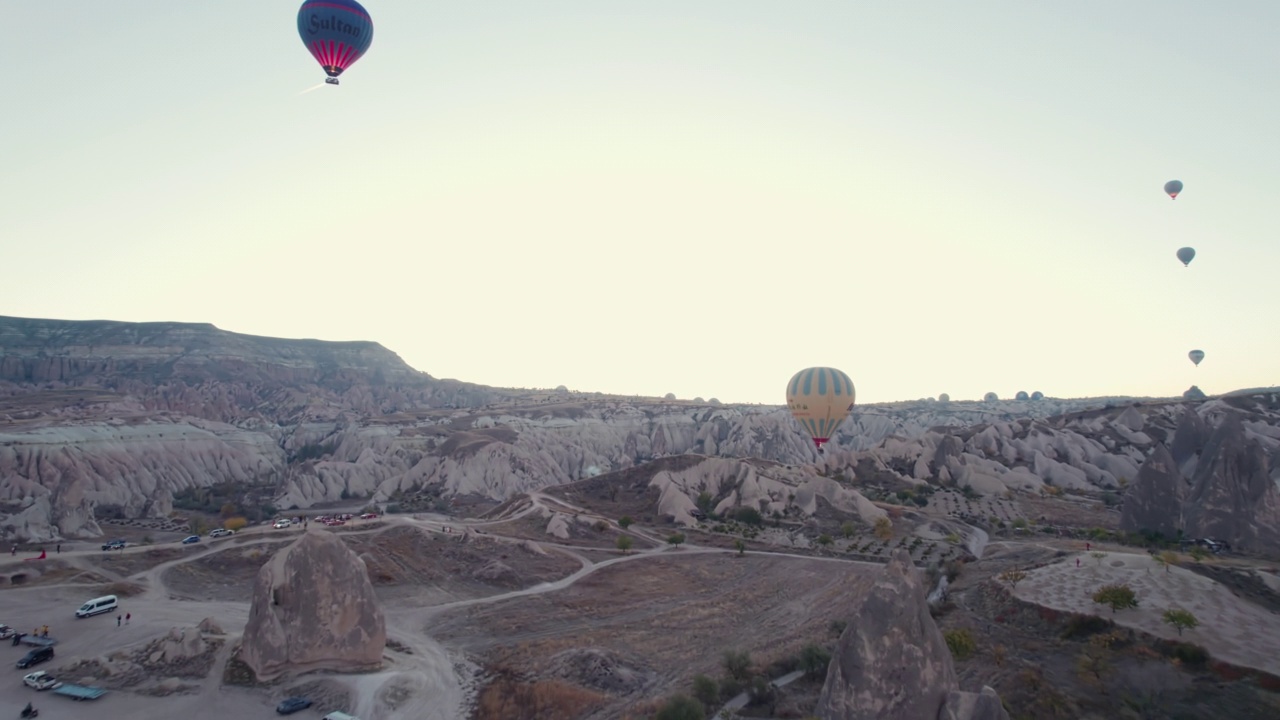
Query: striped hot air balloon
x=820 y=398
x=337 y=32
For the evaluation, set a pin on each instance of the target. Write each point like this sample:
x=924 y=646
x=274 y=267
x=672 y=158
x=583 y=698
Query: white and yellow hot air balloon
x=820 y=398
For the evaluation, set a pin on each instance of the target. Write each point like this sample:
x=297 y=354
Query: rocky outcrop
x=1218 y=485
x=763 y=486
x=1233 y=497
x=892 y=663
x=313 y=608
x=1154 y=500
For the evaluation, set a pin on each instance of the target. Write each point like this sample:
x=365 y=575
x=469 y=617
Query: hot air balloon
x=1196 y=356
x=1037 y=395
x=944 y=398
x=1173 y=187
x=990 y=397
x=1022 y=395
x=820 y=399
x=1186 y=255
x=337 y=32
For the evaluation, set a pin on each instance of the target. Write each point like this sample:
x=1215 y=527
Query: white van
x=97 y=606
x=336 y=715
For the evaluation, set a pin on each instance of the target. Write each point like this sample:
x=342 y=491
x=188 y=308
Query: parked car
x=37 y=656
x=41 y=680
x=369 y=516
x=6 y=632
x=281 y=524
x=288 y=706
x=113 y=545
x=190 y=539
x=221 y=532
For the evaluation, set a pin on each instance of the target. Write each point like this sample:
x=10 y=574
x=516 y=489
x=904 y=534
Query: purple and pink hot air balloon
x=337 y=32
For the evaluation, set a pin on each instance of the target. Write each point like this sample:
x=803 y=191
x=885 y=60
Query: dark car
x=288 y=706
x=36 y=657
x=191 y=539
x=113 y=545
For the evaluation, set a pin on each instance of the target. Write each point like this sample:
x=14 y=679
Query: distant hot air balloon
x=1173 y=187
x=1186 y=255
x=1037 y=395
x=944 y=398
x=1022 y=395
x=1196 y=356
x=820 y=399
x=990 y=397
x=337 y=32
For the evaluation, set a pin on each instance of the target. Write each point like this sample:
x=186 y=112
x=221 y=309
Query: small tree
x=737 y=664
x=848 y=529
x=234 y=524
x=883 y=529
x=740 y=546
x=1118 y=597
x=681 y=707
x=748 y=516
x=836 y=628
x=625 y=521
x=227 y=510
x=1180 y=619
x=1098 y=556
x=1167 y=558
x=825 y=539
x=705 y=690
x=624 y=543
x=1013 y=577
x=960 y=642
x=814 y=660
x=705 y=502
x=675 y=538
x=1198 y=553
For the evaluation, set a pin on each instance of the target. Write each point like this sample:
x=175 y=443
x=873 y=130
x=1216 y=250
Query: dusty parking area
x=80 y=639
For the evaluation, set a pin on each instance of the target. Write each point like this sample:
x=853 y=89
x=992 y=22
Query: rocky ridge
x=126 y=415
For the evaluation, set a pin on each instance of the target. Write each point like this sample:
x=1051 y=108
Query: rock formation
x=1154 y=500
x=313 y=608
x=1218 y=483
x=892 y=662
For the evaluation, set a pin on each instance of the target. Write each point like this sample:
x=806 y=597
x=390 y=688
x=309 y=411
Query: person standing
x=59 y=548
x=127 y=618
x=118 y=618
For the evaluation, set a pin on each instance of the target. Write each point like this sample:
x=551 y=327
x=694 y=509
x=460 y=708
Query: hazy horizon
x=698 y=199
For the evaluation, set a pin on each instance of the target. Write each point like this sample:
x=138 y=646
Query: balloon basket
x=331 y=81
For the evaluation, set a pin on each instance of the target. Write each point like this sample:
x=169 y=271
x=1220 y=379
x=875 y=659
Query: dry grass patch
x=507 y=697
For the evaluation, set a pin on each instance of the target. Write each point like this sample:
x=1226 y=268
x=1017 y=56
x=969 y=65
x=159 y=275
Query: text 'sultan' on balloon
x=1173 y=187
x=820 y=399
x=1196 y=356
x=1186 y=255
x=336 y=32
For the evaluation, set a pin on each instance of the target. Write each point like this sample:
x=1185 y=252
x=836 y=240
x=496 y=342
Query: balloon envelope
x=1196 y=356
x=1173 y=187
x=1186 y=255
x=820 y=398
x=337 y=32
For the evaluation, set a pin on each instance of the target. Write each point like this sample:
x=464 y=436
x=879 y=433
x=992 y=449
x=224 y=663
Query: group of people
x=127 y=618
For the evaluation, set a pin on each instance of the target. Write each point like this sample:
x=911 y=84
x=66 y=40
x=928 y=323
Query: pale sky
x=692 y=197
